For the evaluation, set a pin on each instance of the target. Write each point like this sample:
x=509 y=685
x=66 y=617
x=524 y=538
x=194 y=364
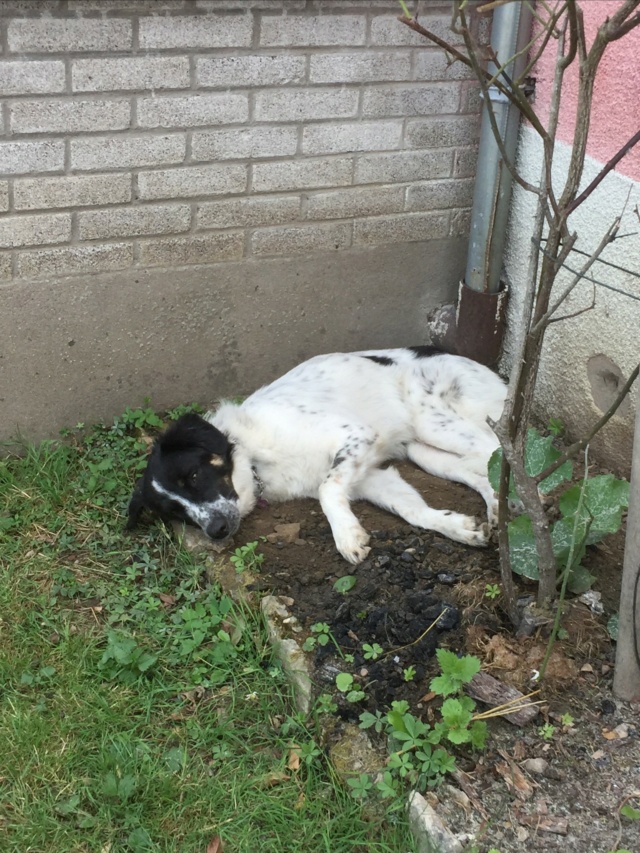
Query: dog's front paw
x=475 y=532
x=353 y=544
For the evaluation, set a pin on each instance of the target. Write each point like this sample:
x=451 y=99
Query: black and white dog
x=323 y=431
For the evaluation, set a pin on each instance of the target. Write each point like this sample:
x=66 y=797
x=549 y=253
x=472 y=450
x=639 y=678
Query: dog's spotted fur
x=323 y=431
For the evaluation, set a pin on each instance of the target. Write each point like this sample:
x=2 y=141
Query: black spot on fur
x=380 y=359
x=425 y=351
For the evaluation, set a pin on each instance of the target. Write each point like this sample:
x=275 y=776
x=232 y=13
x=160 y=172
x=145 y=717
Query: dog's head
x=188 y=477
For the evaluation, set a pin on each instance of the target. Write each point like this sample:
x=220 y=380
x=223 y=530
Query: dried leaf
x=215 y=845
x=293 y=762
x=167 y=600
x=514 y=778
x=270 y=780
x=545 y=823
x=428 y=696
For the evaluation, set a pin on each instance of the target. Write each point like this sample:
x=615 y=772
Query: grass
x=140 y=710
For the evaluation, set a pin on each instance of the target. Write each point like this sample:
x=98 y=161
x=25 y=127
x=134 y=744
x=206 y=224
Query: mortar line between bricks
x=135 y=34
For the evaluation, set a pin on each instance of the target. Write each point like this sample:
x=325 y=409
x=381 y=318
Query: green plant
x=184 y=409
x=344 y=683
x=567 y=720
x=629 y=812
x=371 y=651
x=345 y=583
x=555 y=427
x=325 y=704
x=360 y=785
x=492 y=590
x=42 y=676
x=124 y=659
x=547 y=731
x=322 y=632
x=605 y=498
x=417 y=757
x=245 y=558
x=456 y=672
x=409 y=673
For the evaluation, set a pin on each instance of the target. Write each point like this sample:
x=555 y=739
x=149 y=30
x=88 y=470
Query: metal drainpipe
x=476 y=328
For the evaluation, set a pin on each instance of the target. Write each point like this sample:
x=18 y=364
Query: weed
x=409 y=673
x=547 y=731
x=345 y=583
x=123 y=658
x=345 y=684
x=492 y=590
x=372 y=651
x=417 y=757
x=325 y=704
x=245 y=558
x=555 y=427
x=360 y=785
x=321 y=635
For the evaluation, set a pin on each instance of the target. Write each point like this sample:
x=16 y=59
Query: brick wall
x=153 y=132
x=197 y=194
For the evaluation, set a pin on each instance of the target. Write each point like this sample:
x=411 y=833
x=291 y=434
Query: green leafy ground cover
x=139 y=709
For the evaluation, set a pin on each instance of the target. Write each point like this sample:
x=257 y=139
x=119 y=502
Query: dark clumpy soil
x=411 y=578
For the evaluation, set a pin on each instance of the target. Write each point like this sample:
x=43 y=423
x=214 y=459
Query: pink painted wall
x=616 y=102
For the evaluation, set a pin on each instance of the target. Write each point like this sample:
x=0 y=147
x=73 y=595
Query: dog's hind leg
x=387 y=489
x=471 y=470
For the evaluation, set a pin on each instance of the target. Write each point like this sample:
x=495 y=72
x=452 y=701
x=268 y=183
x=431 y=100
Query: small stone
x=446 y=578
x=537 y=766
x=608 y=706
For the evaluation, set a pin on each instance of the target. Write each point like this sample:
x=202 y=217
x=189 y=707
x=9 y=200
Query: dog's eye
x=193 y=477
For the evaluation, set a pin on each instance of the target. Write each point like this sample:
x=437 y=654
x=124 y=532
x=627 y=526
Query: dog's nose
x=217 y=528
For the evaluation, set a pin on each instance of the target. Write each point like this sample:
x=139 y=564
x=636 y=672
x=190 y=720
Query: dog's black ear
x=193 y=431
x=136 y=505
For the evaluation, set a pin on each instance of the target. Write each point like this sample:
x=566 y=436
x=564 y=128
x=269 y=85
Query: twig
x=413 y=642
x=609 y=165
x=577 y=313
x=609 y=237
x=579 y=445
x=521 y=103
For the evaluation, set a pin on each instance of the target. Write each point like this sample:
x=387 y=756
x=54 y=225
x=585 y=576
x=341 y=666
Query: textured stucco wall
x=616 y=102
x=151 y=150
x=587 y=357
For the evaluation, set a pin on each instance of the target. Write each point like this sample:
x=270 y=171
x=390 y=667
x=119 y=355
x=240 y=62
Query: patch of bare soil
x=569 y=797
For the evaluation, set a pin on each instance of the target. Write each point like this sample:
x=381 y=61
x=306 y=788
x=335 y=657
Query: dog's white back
x=324 y=429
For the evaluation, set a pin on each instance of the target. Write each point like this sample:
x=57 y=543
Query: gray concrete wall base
x=84 y=348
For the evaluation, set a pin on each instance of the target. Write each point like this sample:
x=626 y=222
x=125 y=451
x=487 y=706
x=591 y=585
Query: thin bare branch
x=609 y=236
x=609 y=165
x=575 y=314
x=579 y=445
x=549 y=30
x=513 y=95
x=573 y=35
